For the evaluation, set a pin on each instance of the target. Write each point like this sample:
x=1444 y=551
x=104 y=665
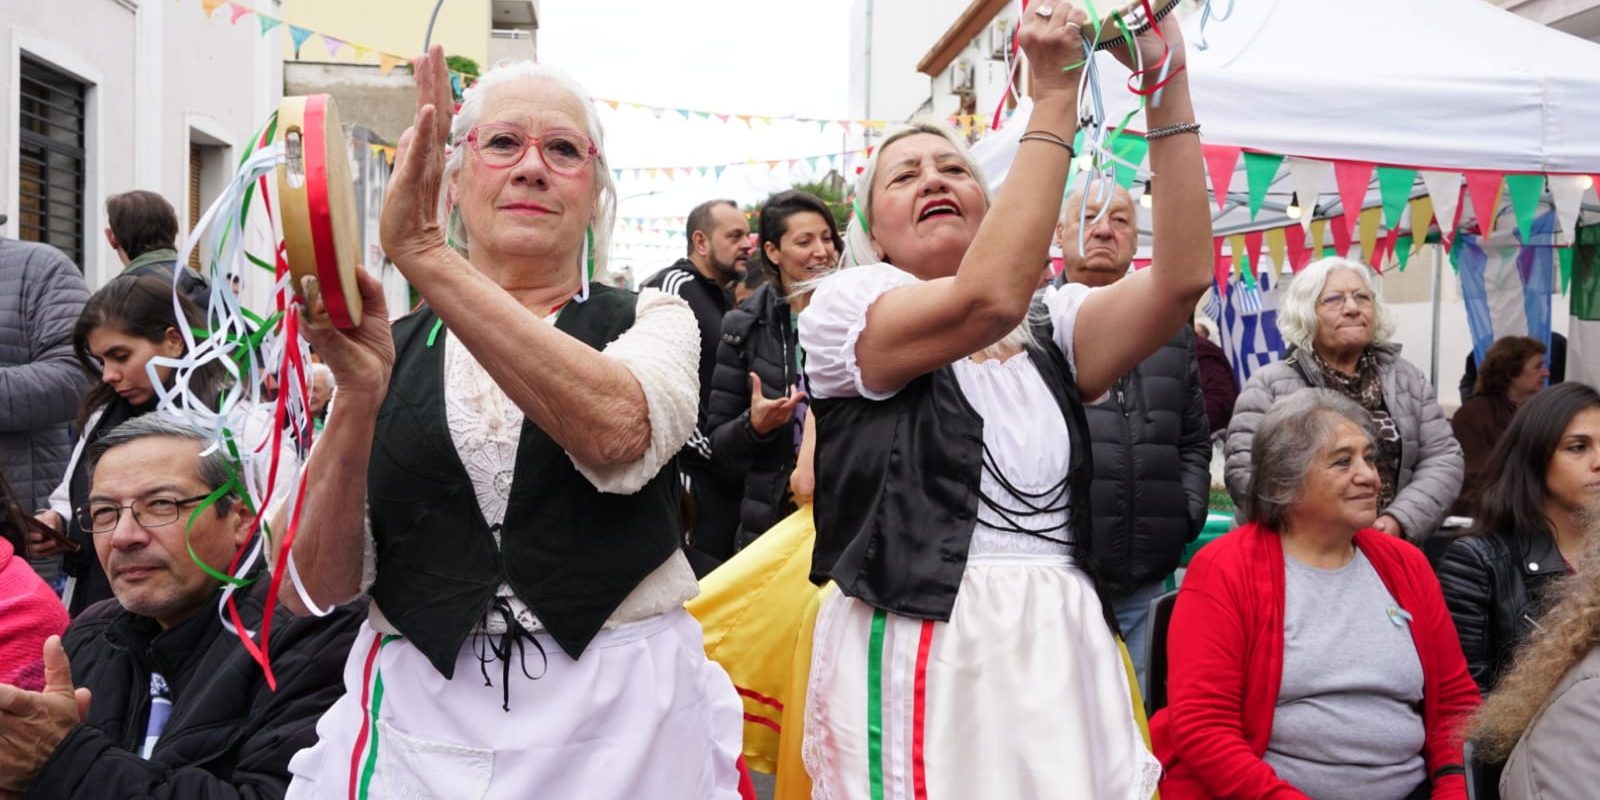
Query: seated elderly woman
x=1338 y=330
x=1541 y=719
x=1310 y=655
x=1513 y=371
x=509 y=448
x=1527 y=530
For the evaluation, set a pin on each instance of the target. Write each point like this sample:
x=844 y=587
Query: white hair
x=320 y=370
x=605 y=204
x=858 y=247
x=1297 y=305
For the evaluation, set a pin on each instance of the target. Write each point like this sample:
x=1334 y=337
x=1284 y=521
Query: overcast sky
x=749 y=57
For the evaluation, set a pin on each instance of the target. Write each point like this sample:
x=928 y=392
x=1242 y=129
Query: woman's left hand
x=1152 y=47
x=409 y=225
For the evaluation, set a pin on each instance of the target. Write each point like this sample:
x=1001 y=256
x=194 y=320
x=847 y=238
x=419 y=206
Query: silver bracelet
x=1172 y=130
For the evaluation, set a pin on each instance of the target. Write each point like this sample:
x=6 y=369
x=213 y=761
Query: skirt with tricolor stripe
x=1021 y=695
x=642 y=714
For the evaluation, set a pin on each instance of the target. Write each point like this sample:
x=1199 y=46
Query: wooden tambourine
x=317 y=203
x=1134 y=16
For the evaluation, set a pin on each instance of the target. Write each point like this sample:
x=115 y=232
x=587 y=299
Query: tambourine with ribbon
x=1135 y=18
x=317 y=205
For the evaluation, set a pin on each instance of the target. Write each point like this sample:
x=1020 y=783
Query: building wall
x=393 y=26
x=160 y=75
x=887 y=39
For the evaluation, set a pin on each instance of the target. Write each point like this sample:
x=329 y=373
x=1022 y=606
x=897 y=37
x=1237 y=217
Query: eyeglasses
x=564 y=152
x=151 y=513
x=1362 y=298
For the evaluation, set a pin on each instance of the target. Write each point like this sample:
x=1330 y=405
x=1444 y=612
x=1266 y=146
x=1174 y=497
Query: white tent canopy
x=1447 y=84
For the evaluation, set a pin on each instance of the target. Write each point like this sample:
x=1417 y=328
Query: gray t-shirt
x=1349 y=718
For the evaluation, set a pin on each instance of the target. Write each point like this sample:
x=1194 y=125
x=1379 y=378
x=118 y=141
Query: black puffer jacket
x=1496 y=586
x=756 y=337
x=1152 y=467
x=229 y=736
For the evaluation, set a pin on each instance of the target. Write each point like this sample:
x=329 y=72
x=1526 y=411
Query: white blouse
x=662 y=351
x=1022 y=424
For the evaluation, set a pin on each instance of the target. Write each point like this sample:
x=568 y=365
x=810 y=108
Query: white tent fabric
x=1456 y=84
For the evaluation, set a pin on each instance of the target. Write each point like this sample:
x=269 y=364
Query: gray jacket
x=1430 y=458
x=41 y=384
x=1558 y=757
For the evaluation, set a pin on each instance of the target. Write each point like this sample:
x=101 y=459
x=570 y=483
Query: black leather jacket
x=1496 y=586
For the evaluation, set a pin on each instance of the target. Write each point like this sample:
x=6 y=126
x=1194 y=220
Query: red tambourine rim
x=320 y=219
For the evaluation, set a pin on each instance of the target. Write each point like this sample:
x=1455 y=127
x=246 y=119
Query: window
x=51 y=155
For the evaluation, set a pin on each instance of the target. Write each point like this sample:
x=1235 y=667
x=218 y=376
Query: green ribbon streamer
x=875 y=704
x=211 y=499
x=438 y=325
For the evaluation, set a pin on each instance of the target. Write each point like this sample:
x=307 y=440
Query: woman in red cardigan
x=1311 y=655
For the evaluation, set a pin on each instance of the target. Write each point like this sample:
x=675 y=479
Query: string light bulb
x=1145 y=199
x=1293 y=210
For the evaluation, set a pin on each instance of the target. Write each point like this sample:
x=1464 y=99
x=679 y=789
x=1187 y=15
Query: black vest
x=897 y=503
x=569 y=552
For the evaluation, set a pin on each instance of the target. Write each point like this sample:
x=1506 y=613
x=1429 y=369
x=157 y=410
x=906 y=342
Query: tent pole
x=1438 y=280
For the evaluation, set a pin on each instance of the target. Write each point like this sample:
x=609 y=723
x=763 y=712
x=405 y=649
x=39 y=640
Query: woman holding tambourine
x=497 y=477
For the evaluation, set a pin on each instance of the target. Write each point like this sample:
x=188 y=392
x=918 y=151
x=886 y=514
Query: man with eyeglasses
x=149 y=695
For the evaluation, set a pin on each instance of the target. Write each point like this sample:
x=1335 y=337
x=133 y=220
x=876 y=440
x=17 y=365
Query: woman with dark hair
x=124 y=325
x=1513 y=371
x=757 y=408
x=1526 y=532
x=1541 y=720
x=29 y=611
x=1312 y=655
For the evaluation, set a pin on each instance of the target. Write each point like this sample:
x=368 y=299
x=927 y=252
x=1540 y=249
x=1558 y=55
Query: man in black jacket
x=1152 y=447
x=719 y=255
x=159 y=699
x=144 y=232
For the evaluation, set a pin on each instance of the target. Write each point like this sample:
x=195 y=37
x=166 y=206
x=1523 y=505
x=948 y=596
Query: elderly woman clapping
x=1338 y=328
x=1310 y=655
x=508 y=448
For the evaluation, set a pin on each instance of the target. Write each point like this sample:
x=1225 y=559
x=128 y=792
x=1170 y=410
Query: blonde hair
x=605 y=205
x=1297 y=307
x=1561 y=638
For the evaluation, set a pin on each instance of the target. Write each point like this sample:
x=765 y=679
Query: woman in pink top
x=29 y=611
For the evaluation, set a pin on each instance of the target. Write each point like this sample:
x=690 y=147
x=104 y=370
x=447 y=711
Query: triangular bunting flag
x=1483 y=186
x=703 y=114
x=299 y=35
x=1353 y=178
x=1564 y=259
x=1394 y=186
x=1220 y=268
x=1386 y=248
x=267 y=23
x=684 y=112
x=718 y=169
x=1241 y=258
x=360 y=53
x=1318 y=236
x=1294 y=239
x=1402 y=249
x=388 y=61
x=1421 y=217
x=210 y=6
x=1310 y=178
x=1525 y=191
x=235 y=11
x=722 y=117
x=1367 y=225
x=1252 y=245
x=1444 y=189
x=1259 y=170
x=1220 y=162
x=1566 y=193
x=650 y=171
x=1342 y=231
x=1131 y=150
x=811 y=162
x=745 y=118
x=333 y=46
x=1276 y=245
x=614 y=104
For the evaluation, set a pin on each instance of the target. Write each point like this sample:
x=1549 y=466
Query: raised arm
x=913 y=330
x=1122 y=323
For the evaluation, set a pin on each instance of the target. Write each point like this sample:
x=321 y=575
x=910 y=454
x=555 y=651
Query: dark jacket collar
x=176 y=652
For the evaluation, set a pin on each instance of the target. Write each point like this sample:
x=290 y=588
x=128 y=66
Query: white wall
x=902 y=32
x=159 y=72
